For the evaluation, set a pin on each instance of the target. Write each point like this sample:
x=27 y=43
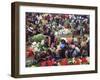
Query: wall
x=5 y=40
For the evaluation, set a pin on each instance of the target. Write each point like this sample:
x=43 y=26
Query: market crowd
x=56 y=39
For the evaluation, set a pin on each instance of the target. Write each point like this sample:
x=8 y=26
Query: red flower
x=50 y=62
x=64 y=61
x=29 y=52
x=43 y=63
x=77 y=61
x=84 y=60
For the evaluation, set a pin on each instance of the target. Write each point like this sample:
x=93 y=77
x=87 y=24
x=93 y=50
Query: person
x=84 y=49
x=75 y=51
x=51 y=58
x=42 y=60
x=63 y=48
x=52 y=39
x=47 y=41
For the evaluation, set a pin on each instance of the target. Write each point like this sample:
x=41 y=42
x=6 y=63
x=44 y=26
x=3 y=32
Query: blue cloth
x=62 y=46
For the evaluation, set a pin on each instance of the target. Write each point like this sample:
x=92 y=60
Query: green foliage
x=70 y=61
x=37 y=38
x=42 y=47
